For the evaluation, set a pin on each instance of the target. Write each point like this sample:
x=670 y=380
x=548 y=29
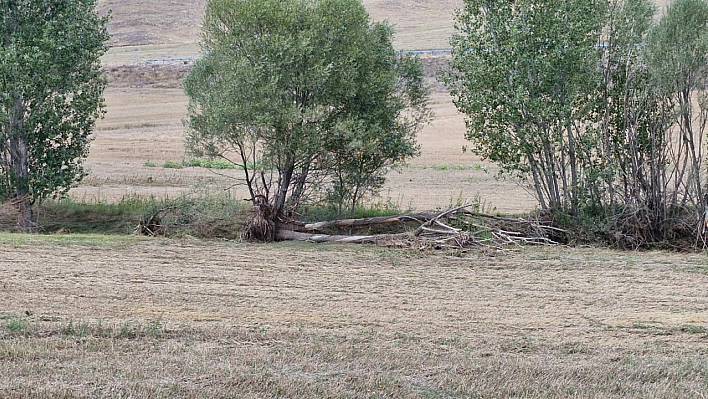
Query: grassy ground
x=132 y=317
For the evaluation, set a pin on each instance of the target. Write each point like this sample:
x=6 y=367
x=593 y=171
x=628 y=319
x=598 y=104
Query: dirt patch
x=135 y=22
x=162 y=76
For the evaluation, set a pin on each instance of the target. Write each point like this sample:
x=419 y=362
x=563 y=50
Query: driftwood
x=290 y=235
x=344 y=223
x=152 y=226
x=457 y=227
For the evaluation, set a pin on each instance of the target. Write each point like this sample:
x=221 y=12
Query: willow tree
x=51 y=94
x=307 y=96
x=524 y=73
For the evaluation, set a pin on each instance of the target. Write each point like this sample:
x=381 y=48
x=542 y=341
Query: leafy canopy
x=51 y=87
x=307 y=96
x=522 y=71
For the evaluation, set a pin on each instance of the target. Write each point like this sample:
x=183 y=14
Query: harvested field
x=191 y=319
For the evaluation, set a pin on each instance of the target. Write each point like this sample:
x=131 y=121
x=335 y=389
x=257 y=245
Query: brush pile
x=455 y=228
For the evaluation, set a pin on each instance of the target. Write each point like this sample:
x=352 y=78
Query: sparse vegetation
x=214 y=163
x=172 y=165
x=475 y=166
x=194 y=215
x=15 y=325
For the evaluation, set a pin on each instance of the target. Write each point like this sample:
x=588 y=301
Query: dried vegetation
x=204 y=319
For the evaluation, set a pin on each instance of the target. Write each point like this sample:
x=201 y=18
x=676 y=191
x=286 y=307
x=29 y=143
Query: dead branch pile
x=455 y=228
x=153 y=225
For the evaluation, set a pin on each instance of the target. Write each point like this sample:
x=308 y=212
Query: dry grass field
x=129 y=317
x=139 y=318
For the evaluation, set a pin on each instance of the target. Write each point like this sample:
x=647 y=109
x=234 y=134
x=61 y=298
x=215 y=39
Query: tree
x=603 y=109
x=624 y=106
x=51 y=87
x=521 y=72
x=307 y=96
x=677 y=57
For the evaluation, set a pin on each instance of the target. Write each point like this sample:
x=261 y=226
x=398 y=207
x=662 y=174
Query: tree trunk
x=283 y=184
x=24 y=215
x=18 y=151
x=300 y=183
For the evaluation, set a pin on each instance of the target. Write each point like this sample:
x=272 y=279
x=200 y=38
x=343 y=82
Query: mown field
x=128 y=317
x=121 y=316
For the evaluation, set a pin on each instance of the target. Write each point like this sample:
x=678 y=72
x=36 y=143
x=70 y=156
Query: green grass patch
x=203 y=216
x=86 y=240
x=693 y=329
x=442 y=167
x=212 y=163
x=16 y=325
x=382 y=208
x=71 y=222
x=198 y=162
x=172 y=165
x=75 y=217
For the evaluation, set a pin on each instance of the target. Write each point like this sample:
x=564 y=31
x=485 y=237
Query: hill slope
x=420 y=23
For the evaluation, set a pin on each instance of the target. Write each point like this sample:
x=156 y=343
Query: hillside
x=146 y=29
x=170 y=24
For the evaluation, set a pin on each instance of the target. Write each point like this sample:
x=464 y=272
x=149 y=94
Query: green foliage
x=172 y=165
x=655 y=110
x=597 y=107
x=331 y=212
x=96 y=217
x=197 y=215
x=693 y=329
x=309 y=96
x=522 y=72
x=213 y=163
x=677 y=55
x=51 y=87
x=80 y=330
x=15 y=325
x=133 y=329
x=103 y=224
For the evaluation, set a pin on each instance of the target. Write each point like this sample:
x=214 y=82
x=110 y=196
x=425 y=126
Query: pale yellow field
x=153 y=318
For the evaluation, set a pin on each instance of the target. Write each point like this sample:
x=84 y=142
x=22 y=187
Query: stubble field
x=195 y=319
x=100 y=316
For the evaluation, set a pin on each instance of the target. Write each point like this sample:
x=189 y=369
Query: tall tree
x=677 y=50
x=307 y=96
x=51 y=88
x=522 y=72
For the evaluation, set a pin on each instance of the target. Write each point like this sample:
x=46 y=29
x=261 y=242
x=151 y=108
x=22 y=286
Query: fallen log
x=438 y=230
x=343 y=223
x=290 y=235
